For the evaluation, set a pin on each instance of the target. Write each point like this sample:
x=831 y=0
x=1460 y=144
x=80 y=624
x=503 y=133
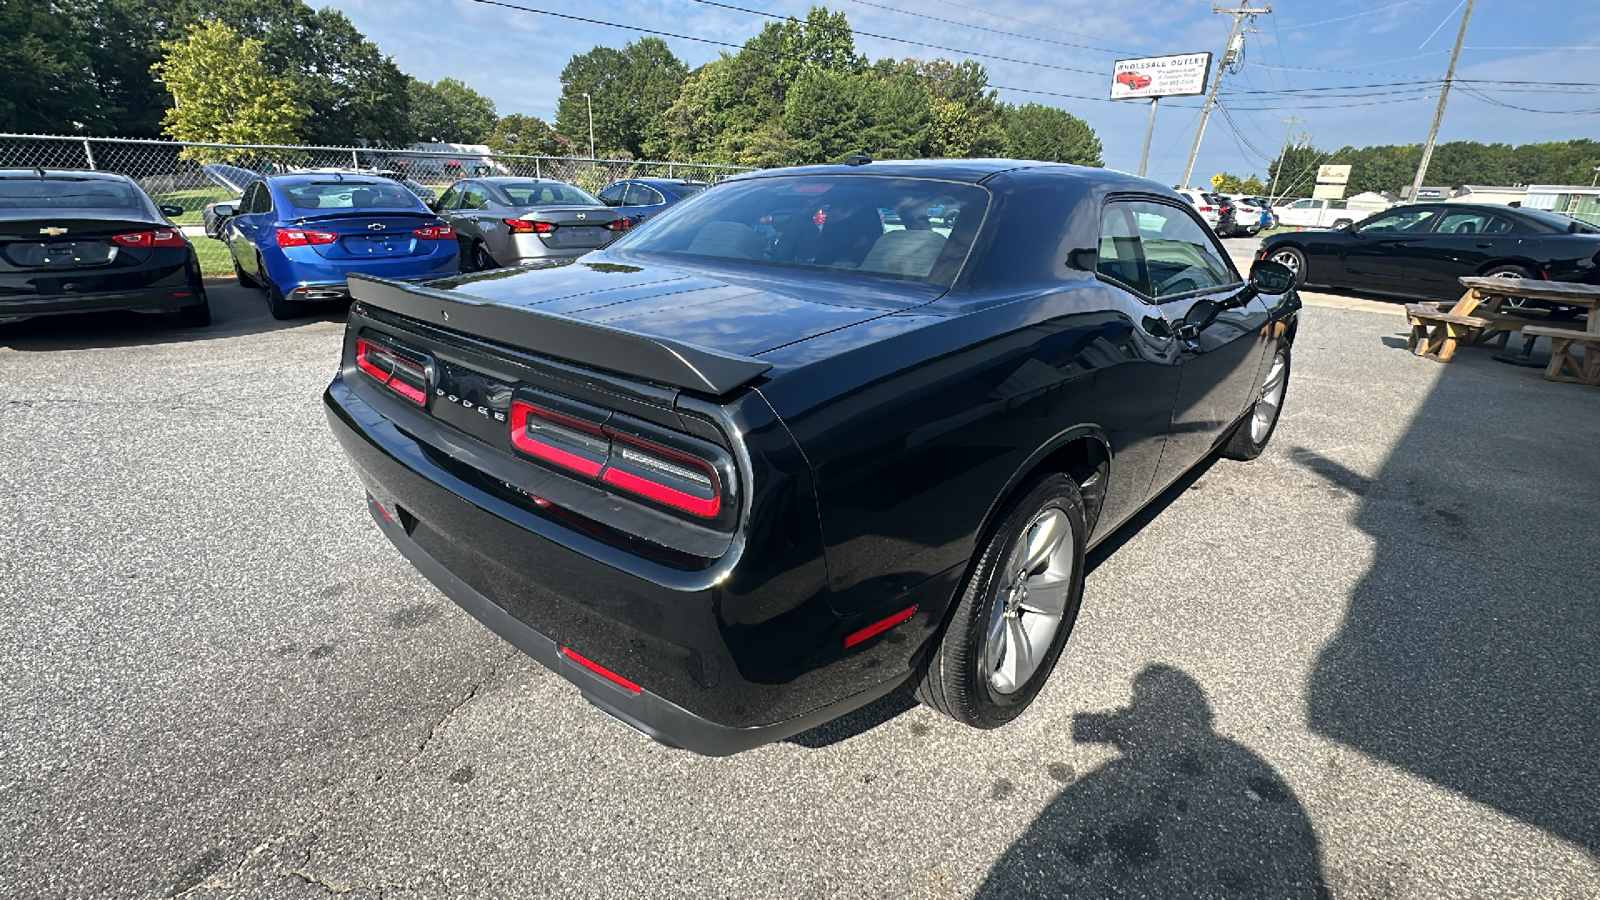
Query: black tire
x=1247 y=441
x=238 y=273
x=197 y=316
x=481 y=260
x=282 y=307
x=955 y=678
x=1294 y=258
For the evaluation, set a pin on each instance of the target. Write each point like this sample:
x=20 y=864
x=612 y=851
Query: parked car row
x=1231 y=215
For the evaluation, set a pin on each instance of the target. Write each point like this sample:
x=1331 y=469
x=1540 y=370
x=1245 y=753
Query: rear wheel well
x=1086 y=461
x=1502 y=263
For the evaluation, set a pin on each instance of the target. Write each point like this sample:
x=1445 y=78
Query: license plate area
x=579 y=236
x=376 y=244
x=59 y=254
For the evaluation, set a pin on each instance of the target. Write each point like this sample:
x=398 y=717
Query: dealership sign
x=1160 y=76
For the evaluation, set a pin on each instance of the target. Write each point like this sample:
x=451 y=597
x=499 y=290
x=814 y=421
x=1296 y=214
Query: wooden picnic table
x=1480 y=317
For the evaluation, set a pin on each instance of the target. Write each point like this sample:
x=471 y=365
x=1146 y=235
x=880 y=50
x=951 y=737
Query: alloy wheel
x=1030 y=601
x=1289 y=259
x=1270 y=401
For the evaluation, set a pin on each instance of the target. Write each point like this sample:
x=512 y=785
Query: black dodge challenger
x=795 y=442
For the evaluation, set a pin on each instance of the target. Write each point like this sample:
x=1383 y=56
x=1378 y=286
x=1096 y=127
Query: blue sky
x=1392 y=50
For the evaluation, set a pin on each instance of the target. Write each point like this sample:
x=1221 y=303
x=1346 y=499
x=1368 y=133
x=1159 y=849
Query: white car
x=1249 y=217
x=1209 y=211
x=1318 y=213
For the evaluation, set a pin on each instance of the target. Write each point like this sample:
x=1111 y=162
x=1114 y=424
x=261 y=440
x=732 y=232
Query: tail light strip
x=621 y=460
x=392 y=371
x=161 y=237
x=526 y=226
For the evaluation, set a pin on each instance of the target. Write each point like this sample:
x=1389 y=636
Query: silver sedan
x=507 y=221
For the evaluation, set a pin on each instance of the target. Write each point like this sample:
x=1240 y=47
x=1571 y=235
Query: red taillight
x=621 y=460
x=619 y=225
x=435 y=233
x=1207 y=209
x=569 y=443
x=161 y=237
x=304 y=237
x=879 y=627
x=523 y=226
x=602 y=671
x=383 y=365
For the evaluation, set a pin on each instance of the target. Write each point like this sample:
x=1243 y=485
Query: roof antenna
x=860 y=159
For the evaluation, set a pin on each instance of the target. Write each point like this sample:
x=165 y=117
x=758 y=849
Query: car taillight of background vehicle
x=619 y=225
x=618 y=459
x=304 y=237
x=435 y=233
x=386 y=366
x=523 y=226
x=161 y=237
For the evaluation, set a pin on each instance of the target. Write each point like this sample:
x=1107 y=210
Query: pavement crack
x=334 y=888
x=308 y=826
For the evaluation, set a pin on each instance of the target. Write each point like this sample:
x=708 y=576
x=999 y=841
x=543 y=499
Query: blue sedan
x=641 y=198
x=300 y=236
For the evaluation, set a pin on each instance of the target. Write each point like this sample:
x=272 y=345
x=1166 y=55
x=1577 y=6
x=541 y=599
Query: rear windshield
x=66 y=193
x=685 y=190
x=910 y=229
x=549 y=194
x=350 y=195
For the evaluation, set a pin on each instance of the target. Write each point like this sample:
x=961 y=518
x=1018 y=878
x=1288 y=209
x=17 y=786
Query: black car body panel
x=887 y=425
x=1425 y=260
x=64 y=251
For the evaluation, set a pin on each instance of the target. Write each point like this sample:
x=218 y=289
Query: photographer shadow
x=1185 y=812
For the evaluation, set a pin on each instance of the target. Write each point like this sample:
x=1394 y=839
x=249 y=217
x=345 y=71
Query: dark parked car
x=73 y=242
x=299 y=237
x=733 y=486
x=1419 y=251
x=641 y=198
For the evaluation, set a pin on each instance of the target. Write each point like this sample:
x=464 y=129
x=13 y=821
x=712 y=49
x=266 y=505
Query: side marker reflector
x=880 y=626
x=602 y=671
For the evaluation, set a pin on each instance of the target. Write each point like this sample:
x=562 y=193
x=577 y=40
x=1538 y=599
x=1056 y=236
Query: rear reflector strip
x=879 y=627
x=537 y=432
x=602 y=671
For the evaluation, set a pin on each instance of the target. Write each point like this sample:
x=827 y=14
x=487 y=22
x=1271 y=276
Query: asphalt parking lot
x=1366 y=665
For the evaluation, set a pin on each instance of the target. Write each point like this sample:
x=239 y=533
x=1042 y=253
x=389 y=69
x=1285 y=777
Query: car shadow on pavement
x=1469 y=653
x=235 y=311
x=1183 y=812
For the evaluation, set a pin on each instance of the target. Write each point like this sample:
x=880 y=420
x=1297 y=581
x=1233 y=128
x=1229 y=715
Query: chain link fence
x=170 y=172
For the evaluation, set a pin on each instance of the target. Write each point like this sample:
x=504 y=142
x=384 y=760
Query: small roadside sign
x=1216 y=181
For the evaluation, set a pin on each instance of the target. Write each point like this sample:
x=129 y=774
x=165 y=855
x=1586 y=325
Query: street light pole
x=590 y=103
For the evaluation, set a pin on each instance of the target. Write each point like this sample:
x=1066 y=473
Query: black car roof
x=972 y=171
x=76 y=174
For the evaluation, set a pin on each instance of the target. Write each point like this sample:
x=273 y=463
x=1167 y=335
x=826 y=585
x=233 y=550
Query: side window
x=1407 y=220
x=1471 y=223
x=612 y=195
x=474 y=197
x=263 y=200
x=1301 y=204
x=448 y=199
x=1338 y=204
x=1178 y=253
x=643 y=195
x=247 y=198
x=1120 y=258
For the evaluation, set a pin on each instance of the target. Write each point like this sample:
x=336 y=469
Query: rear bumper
x=651 y=715
x=66 y=304
x=339 y=290
x=542 y=585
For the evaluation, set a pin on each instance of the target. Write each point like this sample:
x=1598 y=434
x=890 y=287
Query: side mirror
x=171 y=211
x=1268 y=277
x=222 y=210
x=1200 y=317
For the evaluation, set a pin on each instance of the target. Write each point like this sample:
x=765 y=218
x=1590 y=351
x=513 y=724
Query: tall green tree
x=223 y=93
x=448 y=110
x=1036 y=131
x=629 y=91
x=965 y=112
x=44 y=65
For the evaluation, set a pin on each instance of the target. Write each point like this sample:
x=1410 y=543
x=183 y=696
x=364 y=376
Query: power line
x=1351 y=16
x=924 y=44
x=1027 y=37
x=1047 y=27
x=1478 y=95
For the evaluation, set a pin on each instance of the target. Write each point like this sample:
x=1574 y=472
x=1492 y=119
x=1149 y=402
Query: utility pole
x=1229 y=54
x=590 y=104
x=1288 y=139
x=1438 y=114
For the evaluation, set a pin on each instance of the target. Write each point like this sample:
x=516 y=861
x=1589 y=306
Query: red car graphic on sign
x=1133 y=80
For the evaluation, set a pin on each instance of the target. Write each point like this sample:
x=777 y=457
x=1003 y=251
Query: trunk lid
x=78 y=240
x=368 y=234
x=577 y=227
x=740 y=314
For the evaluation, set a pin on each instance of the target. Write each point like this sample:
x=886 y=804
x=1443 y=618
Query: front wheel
x=1250 y=436
x=481 y=261
x=1293 y=259
x=1015 y=612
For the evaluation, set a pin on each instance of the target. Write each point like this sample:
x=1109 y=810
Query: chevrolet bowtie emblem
x=52 y=231
x=583 y=215
x=376 y=226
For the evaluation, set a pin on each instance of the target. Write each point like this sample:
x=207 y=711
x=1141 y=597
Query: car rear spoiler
x=657 y=359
